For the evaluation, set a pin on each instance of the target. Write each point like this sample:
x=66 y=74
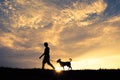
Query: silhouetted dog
x=62 y=64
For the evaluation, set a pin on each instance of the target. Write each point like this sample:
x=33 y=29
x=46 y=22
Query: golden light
x=58 y=69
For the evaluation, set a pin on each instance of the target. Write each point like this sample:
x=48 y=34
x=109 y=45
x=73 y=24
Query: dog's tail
x=70 y=59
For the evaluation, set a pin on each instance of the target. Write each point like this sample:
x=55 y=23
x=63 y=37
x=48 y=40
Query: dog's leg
x=63 y=67
x=70 y=68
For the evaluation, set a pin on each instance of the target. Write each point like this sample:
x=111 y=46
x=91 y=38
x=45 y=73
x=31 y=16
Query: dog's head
x=59 y=60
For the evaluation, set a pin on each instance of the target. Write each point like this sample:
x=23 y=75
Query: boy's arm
x=41 y=55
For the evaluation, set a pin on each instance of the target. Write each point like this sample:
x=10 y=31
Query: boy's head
x=45 y=44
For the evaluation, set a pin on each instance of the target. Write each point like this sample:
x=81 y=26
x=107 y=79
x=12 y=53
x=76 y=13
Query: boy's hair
x=45 y=43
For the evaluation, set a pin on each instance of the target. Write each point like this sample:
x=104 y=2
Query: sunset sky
x=88 y=31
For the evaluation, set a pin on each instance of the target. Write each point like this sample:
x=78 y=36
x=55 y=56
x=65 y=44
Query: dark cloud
x=78 y=41
x=66 y=3
x=13 y=58
x=61 y=3
x=91 y=16
x=77 y=34
x=5 y=56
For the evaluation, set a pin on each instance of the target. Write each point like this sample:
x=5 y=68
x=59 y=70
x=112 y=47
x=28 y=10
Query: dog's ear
x=59 y=59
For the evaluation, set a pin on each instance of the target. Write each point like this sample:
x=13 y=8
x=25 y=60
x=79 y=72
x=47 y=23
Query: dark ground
x=38 y=74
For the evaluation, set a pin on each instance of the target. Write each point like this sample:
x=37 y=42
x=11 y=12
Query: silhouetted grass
x=39 y=74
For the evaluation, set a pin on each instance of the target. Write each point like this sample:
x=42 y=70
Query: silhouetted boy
x=46 y=55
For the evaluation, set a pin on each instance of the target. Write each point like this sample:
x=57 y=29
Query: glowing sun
x=58 y=69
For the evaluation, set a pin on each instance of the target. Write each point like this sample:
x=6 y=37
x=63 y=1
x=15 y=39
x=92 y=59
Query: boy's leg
x=43 y=64
x=50 y=64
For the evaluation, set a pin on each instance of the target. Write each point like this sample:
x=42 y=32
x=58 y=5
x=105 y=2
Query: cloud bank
x=73 y=28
